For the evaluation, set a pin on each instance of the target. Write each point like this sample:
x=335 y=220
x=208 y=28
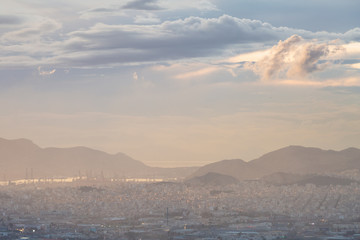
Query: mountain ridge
x=22 y=159
x=17 y=156
x=291 y=159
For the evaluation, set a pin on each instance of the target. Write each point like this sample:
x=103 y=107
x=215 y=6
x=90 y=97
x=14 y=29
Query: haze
x=181 y=83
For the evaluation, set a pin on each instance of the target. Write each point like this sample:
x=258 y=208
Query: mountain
x=21 y=159
x=292 y=159
x=236 y=168
x=307 y=160
x=212 y=179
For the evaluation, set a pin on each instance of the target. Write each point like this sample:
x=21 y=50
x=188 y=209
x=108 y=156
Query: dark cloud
x=188 y=38
x=10 y=20
x=105 y=44
x=142 y=5
x=148 y=5
x=191 y=37
x=102 y=10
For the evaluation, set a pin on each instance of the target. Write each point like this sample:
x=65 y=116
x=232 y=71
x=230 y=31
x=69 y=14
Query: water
x=74 y=179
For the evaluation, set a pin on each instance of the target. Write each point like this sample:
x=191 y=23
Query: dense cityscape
x=109 y=209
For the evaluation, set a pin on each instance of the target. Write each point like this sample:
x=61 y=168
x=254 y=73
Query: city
x=109 y=209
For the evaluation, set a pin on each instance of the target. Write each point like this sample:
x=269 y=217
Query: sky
x=181 y=83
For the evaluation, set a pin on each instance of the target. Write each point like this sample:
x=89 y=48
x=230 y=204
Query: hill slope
x=212 y=179
x=236 y=168
x=306 y=160
x=292 y=159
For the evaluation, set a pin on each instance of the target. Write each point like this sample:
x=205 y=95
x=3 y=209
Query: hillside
x=292 y=159
x=212 y=179
x=307 y=160
x=236 y=168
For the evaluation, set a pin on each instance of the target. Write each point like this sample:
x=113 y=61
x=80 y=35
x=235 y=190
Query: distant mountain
x=318 y=180
x=21 y=159
x=292 y=159
x=212 y=179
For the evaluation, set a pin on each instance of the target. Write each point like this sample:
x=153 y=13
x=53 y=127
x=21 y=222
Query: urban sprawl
x=109 y=209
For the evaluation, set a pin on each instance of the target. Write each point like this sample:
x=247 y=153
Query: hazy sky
x=180 y=83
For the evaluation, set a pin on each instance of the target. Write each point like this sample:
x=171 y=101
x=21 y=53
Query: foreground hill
x=292 y=159
x=212 y=179
x=236 y=168
x=21 y=159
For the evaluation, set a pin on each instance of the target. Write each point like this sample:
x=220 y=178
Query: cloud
x=355 y=65
x=198 y=73
x=146 y=18
x=333 y=82
x=307 y=60
x=141 y=82
x=102 y=12
x=147 y=41
x=10 y=20
x=35 y=31
x=205 y=5
x=142 y=5
x=201 y=5
x=352 y=50
x=45 y=72
x=249 y=56
x=30 y=43
x=135 y=76
x=191 y=37
x=293 y=58
x=353 y=34
x=171 y=40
